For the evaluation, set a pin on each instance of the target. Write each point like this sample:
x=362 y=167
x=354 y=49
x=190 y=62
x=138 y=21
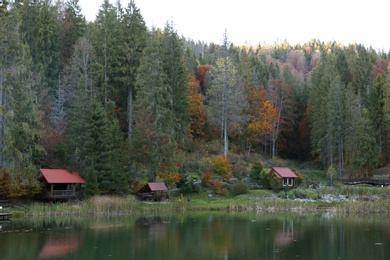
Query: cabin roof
x=53 y=176
x=153 y=186
x=284 y=172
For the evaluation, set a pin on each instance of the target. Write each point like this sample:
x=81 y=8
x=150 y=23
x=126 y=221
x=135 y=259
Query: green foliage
x=302 y=194
x=91 y=184
x=187 y=186
x=240 y=188
x=256 y=172
x=275 y=184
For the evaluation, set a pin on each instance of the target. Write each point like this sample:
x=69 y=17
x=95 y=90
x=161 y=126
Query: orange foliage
x=5 y=183
x=202 y=71
x=170 y=177
x=223 y=167
x=196 y=110
x=380 y=68
x=136 y=186
x=261 y=120
x=16 y=187
x=217 y=187
x=207 y=179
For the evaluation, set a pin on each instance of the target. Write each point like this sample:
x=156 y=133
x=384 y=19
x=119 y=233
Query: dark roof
x=153 y=186
x=61 y=176
x=284 y=172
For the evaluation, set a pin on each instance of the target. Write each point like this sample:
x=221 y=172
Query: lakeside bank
x=341 y=200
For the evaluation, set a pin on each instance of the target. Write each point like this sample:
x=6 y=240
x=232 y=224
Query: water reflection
x=200 y=235
x=57 y=245
x=286 y=236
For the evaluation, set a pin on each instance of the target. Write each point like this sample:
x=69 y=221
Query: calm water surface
x=201 y=235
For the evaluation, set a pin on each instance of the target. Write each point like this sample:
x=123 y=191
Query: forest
x=122 y=103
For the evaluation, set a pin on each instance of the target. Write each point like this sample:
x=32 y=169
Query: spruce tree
x=132 y=35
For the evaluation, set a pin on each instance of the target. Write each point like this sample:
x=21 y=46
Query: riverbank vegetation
x=338 y=200
x=124 y=104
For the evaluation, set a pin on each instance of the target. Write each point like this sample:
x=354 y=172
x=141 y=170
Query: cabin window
x=288 y=182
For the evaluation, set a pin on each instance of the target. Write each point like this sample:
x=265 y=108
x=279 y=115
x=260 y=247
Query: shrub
x=217 y=187
x=239 y=168
x=302 y=194
x=240 y=188
x=187 y=186
x=275 y=183
x=223 y=167
x=207 y=179
x=256 y=172
x=265 y=179
x=136 y=186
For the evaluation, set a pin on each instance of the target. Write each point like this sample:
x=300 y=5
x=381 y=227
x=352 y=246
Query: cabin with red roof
x=60 y=184
x=286 y=176
x=153 y=191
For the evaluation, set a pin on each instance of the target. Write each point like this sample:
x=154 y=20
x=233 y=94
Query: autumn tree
x=282 y=100
x=261 y=120
x=197 y=113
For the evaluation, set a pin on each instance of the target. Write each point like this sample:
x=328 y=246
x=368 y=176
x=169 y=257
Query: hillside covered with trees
x=120 y=103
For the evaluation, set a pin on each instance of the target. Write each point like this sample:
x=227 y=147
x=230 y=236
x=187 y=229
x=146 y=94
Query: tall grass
x=350 y=190
x=254 y=201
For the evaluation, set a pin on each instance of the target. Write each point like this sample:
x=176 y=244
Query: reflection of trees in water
x=156 y=226
x=286 y=236
x=59 y=245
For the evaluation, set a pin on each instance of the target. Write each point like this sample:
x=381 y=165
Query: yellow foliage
x=170 y=177
x=223 y=167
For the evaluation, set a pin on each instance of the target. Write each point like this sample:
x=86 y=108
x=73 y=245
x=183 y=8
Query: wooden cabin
x=286 y=176
x=153 y=191
x=60 y=184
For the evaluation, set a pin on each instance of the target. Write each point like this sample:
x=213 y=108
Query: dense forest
x=120 y=102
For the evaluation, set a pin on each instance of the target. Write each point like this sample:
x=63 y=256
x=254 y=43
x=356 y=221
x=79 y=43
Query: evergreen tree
x=106 y=46
x=133 y=35
x=154 y=116
x=40 y=27
x=20 y=117
x=177 y=80
x=73 y=26
x=91 y=185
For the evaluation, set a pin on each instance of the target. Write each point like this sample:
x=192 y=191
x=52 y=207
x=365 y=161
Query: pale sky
x=258 y=21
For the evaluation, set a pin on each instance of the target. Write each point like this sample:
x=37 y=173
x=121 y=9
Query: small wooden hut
x=286 y=176
x=153 y=191
x=60 y=184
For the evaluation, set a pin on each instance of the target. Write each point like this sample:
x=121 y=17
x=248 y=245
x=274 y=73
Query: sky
x=252 y=22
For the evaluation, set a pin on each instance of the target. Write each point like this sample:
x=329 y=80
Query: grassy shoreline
x=356 y=200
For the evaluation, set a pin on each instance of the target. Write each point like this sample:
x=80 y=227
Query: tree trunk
x=1 y=118
x=225 y=139
x=130 y=113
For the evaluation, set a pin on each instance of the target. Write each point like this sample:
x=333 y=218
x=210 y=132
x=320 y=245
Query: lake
x=198 y=235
